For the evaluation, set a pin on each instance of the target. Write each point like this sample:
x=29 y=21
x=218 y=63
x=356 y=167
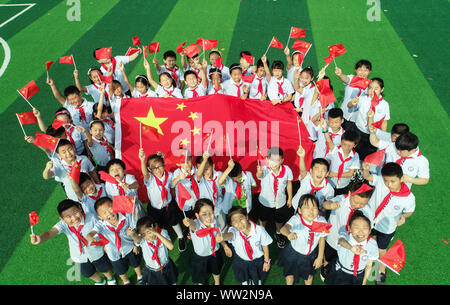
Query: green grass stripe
x=411 y=101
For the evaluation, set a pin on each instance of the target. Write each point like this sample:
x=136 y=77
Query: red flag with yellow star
x=103 y=53
x=46 y=141
x=29 y=90
x=394 y=258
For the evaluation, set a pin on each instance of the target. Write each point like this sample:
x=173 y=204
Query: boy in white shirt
x=258 y=88
x=235 y=86
x=170 y=66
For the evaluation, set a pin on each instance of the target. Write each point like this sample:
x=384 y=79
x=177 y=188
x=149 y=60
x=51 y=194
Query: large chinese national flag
x=242 y=126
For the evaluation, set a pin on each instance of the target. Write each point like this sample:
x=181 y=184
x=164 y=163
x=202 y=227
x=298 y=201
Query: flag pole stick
x=140 y=134
x=299 y=133
x=21 y=125
x=229 y=147
x=73 y=58
x=25 y=99
x=32 y=230
x=204 y=52
x=334 y=60
x=388 y=267
x=268 y=47
x=290 y=32
x=209 y=142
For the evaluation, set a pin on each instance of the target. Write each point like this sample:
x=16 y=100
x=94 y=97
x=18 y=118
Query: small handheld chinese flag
x=320 y=227
x=29 y=90
x=359 y=82
x=153 y=47
x=131 y=51
x=262 y=161
x=145 y=51
x=46 y=141
x=136 y=41
x=34 y=219
x=337 y=49
x=183 y=195
x=180 y=47
x=67 y=60
x=248 y=58
x=375 y=158
x=394 y=258
x=123 y=204
x=106 y=79
x=26 y=118
x=48 y=64
x=275 y=43
x=297 y=33
x=58 y=123
x=107 y=177
x=191 y=50
x=207 y=44
x=301 y=46
x=75 y=171
x=249 y=78
x=326 y=95
x=219 y=62
x=103 y=53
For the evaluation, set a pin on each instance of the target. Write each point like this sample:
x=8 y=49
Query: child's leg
x=96 y=277
x=382 y=268
x=178 y=231
x=309 y=280
x=216 y=278
x=290 y=280
x=278 y=227
x=262 y=223
x=124 y=278
x=109 y=275
x=138 y=272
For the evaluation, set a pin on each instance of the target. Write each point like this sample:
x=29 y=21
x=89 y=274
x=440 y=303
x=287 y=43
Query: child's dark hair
x=334 y=113
x=201 y=203
x=320 y=161
x=237 y=169
x=145 y=222
x=399 y=128
x=115 y=161
x=235 y=66
x=115 y=84
x=101 y=202
x=188 y=72
x=355 y=186
x=305 y=198
x=169 y=53
x=407 y=141
x=104 y=109
x=235 y=210
x=380 y=83
x=352 y=136
x=277 y=64
x=275 y=151
x=57 y=133
x=358 y=215
x=142 y=79
x=215 y=52
x=94 y=69
x=365 y=63
x=260 y=64
x=174 y=83
x=157 y=157
x=83 y=178
x=99 y=122
x=199 y=160
x=214 y=70
x=392 y=169
x=63 y=142
x=71 y=90
x=67 y=204
x=309 y=70
x=244 y=52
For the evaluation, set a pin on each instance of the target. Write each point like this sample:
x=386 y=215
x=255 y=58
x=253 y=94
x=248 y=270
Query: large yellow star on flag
x=152 y=121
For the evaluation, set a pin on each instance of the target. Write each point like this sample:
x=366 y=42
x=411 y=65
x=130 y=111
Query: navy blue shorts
x=121 y=266
x=280 y=215
x=382 y=239
x=89 y=268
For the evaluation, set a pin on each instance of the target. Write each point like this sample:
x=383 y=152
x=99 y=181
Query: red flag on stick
x=58 y=123
x=48 y=64
x=29 y=90
x=326 y=95
x=183 y=195
x=191 y=50
x=301 y=46
x=359 y=82
x=26 y=118
x=153 y=47
x=46 y=141
x=275 y=43
x=394 y=258
x=106 y=79
x=131 y=51
x=297 y=33
x=123 y=204
x=107 y=177
x=75 y=171
x=375 y=158
x=337 y=49
x=320 y=227
x=180 y=47
x=103 y=53
x=67 y=60
x=145 y=51
x=136 y=41
x=34 y=218
x=207 y=44
x=248 y=58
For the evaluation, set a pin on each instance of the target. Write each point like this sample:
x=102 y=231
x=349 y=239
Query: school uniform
x=249 y=259
x=233 y=89
x=120 y=246
x=172 y=92
x=149 y=93
x=110 y=130
x=416 y=165
x=323 y=192
x=176 y=73
x=159 y=267
x=77 y=139
x=290 y=73
x=211 y=189
x=81 y=115
x=298 y=256
x=60 y=170
x=349 y=268
x=258 y=87
x=94 y=91
x=304 y=101
x=242 y=188
x=191 y=185
x=386 y=216
x=206 y=257
x=198 y=91
x=88 y=200
x=102 y=151
x=212 y=90
x=247 y=71
x=117 y=74
x=224 y=70
x=279 y=88
x=349 y=93
x=197 y=72
x=340 y=164
x=273 y=195
x=322 y=149
x=381 y=111
x=89 y=258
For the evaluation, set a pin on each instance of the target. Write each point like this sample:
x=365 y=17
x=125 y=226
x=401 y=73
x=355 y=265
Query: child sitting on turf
x=258 y=88
x=276 y=179
x=120 y=248
x=59 y=171
x=168 y=85
x=304 y=254
x=238 y=187
x=206 y=257
x=88 y=192
x=142 y=88
x=186 y=174
x=356 y=251
x=102 y=151
x=314 y=181
x=155 y=244
x=162 y=207
x=214 y=57
x=279 y=90
x=235 y=86
x=333 y=129
x=76 y=225
x=251 y=245
x=196 y=86
x=393 y=202
x=170 y=67
x=94 y=88
x=343 y=158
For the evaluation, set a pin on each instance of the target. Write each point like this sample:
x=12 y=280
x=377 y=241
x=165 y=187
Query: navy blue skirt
x=203 y=266
x=168 y=276
x=248 y=270
x=337 y=276
x=297 y=264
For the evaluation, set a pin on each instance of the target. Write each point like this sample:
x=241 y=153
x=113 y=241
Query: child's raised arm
x=100 y=102
x=48 y=173
x=75 y=186
x=144 y=169
x=201 y=167
x=37 y=239
x=156 y=63
x=226 y=172
x=77 y=82
x=344 y=78
x=266 y=68
x=324 y=127
x=203 y=74
x=125 y=77
x=149 y=74
x=366 y=172
x=133 y=56
x=56 y=93
x=41 y=123
x=301 y=153
x=288 y=58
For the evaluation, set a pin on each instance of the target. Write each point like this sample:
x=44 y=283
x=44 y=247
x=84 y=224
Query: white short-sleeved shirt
x=154 y=190
x=290 y=73
x=187 y=183
x=339 y=218
x=110 y=130
x=320 y=151
x=202 y=245
x=117 y=74
x=179 y=75
x=381 y=111
x=91 y=253
x=95 y=93
x=225 y=72
x=301 y=244
x=88 y=200
x=350 y=92
x=100 y=152
x=173 y=92
x=113 y=189
x=78 y=139
x=60 y=170
x=206 y=190
x=76 y=114
x=254 y=93
x=326 y=192
x=267 y=196
x=272 y=88
x=230 y=191
x=417 y=166
x=303 y=100
x=257 y=238
x=127 y=244
x=231 y=88
x=212 y=91
x=346 y=256
x=149 y=93
x=147 y=251
x=335 y=162
x=189 y=92
x=386 y=222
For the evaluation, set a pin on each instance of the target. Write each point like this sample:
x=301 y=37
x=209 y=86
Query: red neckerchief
x=215 y=191
x=194 y=92
x=238 y=189
x=121 y=190
x=260 y=86
x=238 y=93
x=108 y=147
x=69 y=135
x=311 y=234
x=110 y=123
x=248 y=247
x=106 y=93
x=169 y=92
x=164 y=192
x=81 y=239
x=280 y=88
x=174 y=72
x=194 y=185
x=375 y=101
x=403 y=192
x=99 y=193
x=275 y=181
x=209 y=231
x=114 y=64
x=82 y=114
x=216 y=90
x=155 y=247
x=341 y=167
x=332 y=136
x=117 y=240
x=402 y=159
x=316 y=189
x=356 y=258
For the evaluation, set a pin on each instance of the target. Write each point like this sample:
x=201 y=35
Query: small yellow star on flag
x=193 y=115
x=195 y=131
x=181 y=106
x=184 y=142
x=152 y=121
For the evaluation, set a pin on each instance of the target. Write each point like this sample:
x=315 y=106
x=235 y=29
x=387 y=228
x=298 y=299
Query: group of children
x=340 y=217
